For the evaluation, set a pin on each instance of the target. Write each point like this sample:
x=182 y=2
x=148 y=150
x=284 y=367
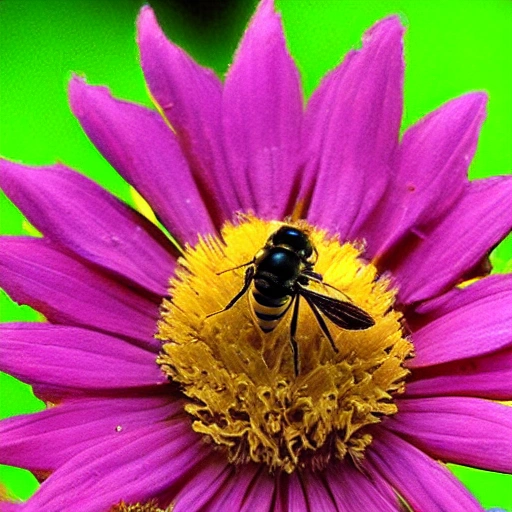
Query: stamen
x=149 y=506
x=244 y=394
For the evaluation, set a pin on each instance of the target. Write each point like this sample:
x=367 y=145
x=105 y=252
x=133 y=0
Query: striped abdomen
x=268 y=311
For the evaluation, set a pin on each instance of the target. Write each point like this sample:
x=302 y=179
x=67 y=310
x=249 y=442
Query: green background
x=451 y=47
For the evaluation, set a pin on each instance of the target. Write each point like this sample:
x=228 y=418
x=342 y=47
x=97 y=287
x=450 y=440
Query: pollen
x=244 y=393
x=150 y=506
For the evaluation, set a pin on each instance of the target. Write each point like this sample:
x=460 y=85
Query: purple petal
x=66 y=291
x=297 y=500
x=134 y=467
x=341 y=488
x=12 y=507
x=73 y=211
x=75 y=358
x=432 y=165
x=353 y=490
x=473 y=227
x=457 y=298
x=190 y=98
x=208 y=480
x=351 y=131
x=48 y=439
x=467 y=431
x=424 y=483
x=473 y=321
x=309 y=492
x=250 y=488
x=260 y=495
x=262 y=112
x=488 y=376
x=144 y=150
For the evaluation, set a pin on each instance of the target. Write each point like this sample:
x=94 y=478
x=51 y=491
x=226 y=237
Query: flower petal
x=351 y=131
x=424 y=483
x=190 y=98
x=488 y=376
x=48 y=439
x=470 y=322
x=461 y=297
x=11 y=507
x=207 y=480
x=144 y=150
x=297 y=500
x=467 y=431
x=309 y=492
x=66 y=291
x=134 y=467
x=250 y=488
x=73 y=211
x=432 y=166
x=353 y=490
x=262 y=112
x=260 y=495
x=480 y=220
x=74 y=357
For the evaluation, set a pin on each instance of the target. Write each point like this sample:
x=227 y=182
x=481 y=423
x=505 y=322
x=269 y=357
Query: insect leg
x=321 y=322
x=293 y=330
x=314 y=276
x=249 y=274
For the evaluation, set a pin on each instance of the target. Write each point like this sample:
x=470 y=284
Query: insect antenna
x=234 y=268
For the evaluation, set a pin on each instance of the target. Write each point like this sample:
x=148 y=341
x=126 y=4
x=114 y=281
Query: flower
x=356 y=424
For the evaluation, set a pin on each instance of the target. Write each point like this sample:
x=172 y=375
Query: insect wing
x=342 y=313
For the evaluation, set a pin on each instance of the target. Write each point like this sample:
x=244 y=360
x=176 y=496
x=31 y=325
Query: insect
x=279 y=275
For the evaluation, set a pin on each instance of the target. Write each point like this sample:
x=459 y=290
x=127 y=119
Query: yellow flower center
x=149 y=506
x=243 y=390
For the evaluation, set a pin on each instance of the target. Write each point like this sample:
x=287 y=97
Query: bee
x=279 y=275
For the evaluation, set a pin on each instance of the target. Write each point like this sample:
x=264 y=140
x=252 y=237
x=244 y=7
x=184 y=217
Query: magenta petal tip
x=387 y=28
x=147 y=22
x=76 y=89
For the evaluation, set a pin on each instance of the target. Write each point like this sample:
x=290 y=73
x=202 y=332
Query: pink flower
x=121 y=429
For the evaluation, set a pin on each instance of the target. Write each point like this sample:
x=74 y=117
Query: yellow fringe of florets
x=244 y=395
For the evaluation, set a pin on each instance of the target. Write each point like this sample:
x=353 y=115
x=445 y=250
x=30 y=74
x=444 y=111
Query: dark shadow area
x=209 y=29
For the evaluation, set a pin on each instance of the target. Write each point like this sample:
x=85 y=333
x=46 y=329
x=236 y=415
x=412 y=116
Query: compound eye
x=308 y=251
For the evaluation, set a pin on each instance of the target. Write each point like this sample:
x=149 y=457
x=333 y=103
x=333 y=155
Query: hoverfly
x=279 y=276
